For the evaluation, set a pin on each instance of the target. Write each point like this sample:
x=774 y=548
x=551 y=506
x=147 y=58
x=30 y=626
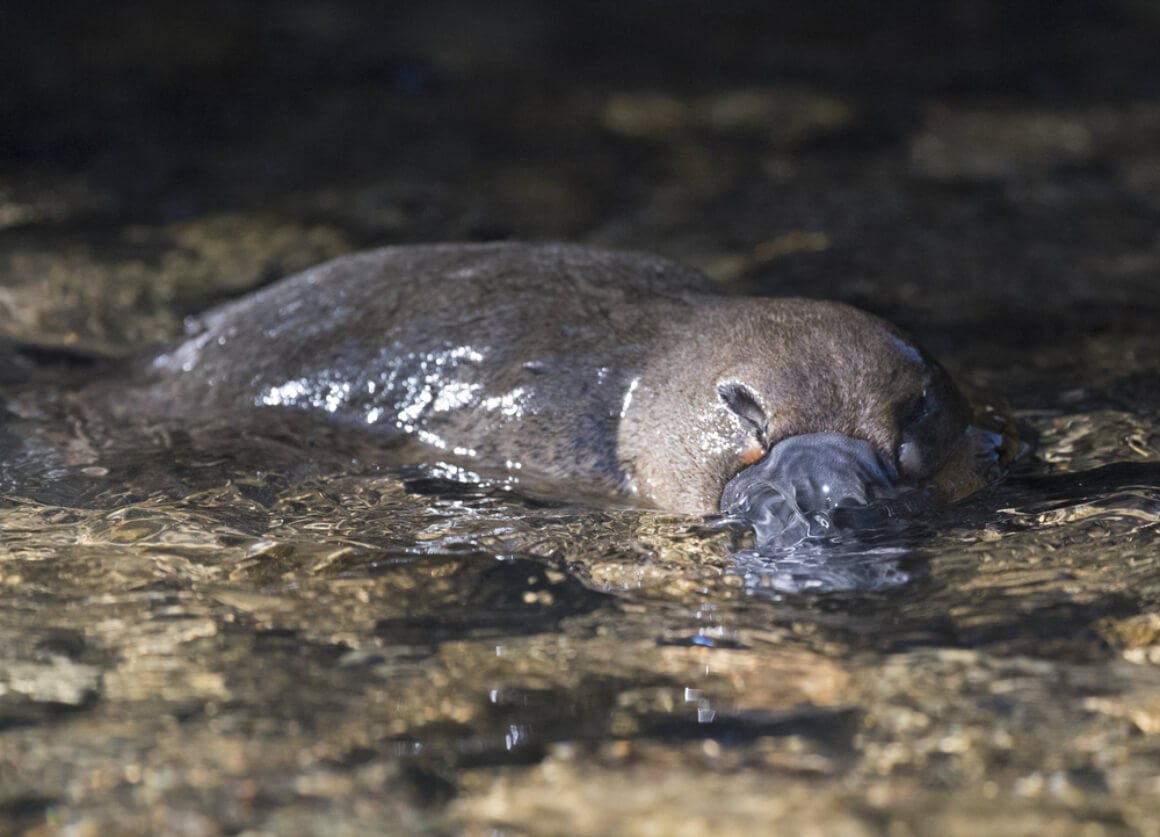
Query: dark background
x=971 y=169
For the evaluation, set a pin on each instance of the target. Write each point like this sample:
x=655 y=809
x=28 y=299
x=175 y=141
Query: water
x=363 y=643
x=250 y=633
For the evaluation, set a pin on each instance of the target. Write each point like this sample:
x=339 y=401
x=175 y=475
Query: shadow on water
x=508 y=596
x=895 y=593
x=521 y=725
x=949 y=583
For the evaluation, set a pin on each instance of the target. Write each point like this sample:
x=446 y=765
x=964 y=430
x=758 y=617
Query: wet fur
x=571 y=328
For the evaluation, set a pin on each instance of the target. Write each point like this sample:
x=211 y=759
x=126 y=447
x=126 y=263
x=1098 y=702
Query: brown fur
x=521 y=359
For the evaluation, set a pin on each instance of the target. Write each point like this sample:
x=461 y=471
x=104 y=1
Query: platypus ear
x=741 y=400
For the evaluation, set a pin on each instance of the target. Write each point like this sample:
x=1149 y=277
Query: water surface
x=250 y=633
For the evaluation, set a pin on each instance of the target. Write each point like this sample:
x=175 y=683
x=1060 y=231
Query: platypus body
x=601 y=373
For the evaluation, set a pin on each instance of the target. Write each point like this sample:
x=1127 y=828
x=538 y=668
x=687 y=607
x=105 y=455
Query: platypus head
x=815 y=402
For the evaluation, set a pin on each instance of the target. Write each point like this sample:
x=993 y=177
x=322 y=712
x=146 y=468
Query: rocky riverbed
x=242 y=639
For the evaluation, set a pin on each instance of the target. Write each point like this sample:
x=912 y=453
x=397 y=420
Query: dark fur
x=569 y=328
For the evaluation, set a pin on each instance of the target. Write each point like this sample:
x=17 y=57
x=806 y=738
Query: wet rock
x=33 y=692
x=977 y=145
x=115 y=296
x=38 y=198
x=782 y=117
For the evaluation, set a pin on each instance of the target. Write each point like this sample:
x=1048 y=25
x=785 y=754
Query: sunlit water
x=418 y=626
x=259 y=631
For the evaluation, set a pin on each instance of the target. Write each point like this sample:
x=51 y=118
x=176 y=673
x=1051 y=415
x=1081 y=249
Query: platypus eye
x=742 y=402
x=917 y=428
x=920 y=409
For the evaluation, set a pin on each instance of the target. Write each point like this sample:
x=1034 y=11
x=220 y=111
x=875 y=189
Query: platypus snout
x=803 y=484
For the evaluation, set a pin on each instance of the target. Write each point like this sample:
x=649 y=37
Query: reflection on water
x=424 y=628
x=826 y=568
x=500 y=627
x=258 y=630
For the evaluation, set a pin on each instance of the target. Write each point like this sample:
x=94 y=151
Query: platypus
x=578 y=371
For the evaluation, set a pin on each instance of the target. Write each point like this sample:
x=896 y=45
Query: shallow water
x=247 y=634
x=236 y=635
